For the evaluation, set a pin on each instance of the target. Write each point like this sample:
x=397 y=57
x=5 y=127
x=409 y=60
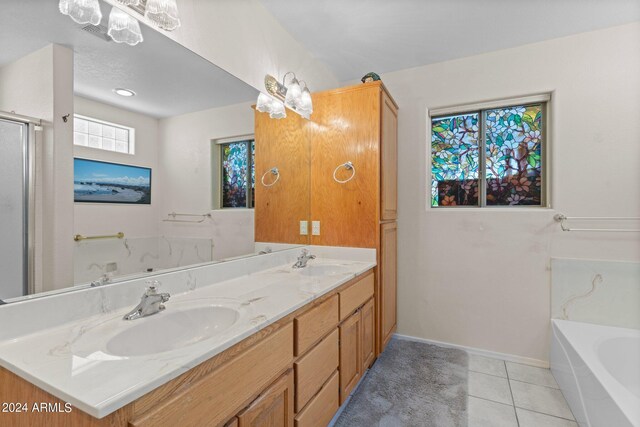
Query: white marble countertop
x=71 y=360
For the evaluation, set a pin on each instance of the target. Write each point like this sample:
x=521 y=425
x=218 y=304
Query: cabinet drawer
x=216 y=397
x=315 y=368
x=315 y=323
x=322 y=407
x=355 y=295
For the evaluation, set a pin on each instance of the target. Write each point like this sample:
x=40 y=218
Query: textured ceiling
x=168 y=79
x=354 y=37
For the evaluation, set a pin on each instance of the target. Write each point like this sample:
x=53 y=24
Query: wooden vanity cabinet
x=350 y=354
x=273 y=408
x=368 y=344
x=256 y=383
x=387 y=268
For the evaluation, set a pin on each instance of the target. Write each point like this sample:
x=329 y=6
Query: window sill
x=542 y=210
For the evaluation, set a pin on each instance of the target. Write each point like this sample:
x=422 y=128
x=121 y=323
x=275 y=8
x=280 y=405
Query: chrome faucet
x=105 y=278
x=150 y=303
x=303 y=258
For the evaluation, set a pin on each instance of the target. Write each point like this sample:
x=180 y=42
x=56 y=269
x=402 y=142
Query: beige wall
x=480 y=278
x=132 y=220
x=244 y=39
x=40 y=85
x=185 y=159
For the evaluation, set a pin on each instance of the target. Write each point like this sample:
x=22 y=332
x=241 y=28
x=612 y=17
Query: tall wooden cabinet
x=358 y=124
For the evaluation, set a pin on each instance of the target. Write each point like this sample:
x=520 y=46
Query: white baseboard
x=494 y=354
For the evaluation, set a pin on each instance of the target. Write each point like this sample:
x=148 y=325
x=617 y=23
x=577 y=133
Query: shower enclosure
x=16 y=201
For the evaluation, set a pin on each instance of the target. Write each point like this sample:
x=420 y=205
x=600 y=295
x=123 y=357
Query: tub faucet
x=150 y=303
x=303 y=258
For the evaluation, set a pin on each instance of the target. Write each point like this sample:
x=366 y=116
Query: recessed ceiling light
x=124 y=92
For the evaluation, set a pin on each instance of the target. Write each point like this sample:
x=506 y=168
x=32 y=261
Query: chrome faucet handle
x=152 y=287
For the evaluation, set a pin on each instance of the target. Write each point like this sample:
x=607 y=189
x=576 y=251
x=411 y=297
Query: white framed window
x=490 y=155
x=95 y=133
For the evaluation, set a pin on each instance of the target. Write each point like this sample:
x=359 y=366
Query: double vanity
x=248 y=342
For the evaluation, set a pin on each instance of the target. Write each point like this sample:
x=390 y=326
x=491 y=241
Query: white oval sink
x=171 y=330
x=324 y=270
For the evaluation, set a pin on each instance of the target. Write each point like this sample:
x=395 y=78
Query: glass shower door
x=13 y=208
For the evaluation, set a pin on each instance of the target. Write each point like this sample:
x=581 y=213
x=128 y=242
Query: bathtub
x=598 y=369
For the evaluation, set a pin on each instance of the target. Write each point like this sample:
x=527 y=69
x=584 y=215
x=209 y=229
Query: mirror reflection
x=119 y=161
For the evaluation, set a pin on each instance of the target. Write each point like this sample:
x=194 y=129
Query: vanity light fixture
x=124 y=92
x=81 y=11
x=163 y=13
x=124 y=28
x=293 y=96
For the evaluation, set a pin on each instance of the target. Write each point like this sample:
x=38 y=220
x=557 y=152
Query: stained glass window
x=238 y=174
x=511 y=139
x=514 y=150
x=454 y=160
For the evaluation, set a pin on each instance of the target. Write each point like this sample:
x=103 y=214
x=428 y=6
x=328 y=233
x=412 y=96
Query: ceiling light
x=124 y=92
x=163 y=13
x=129 y=2
x=277 y=110
x=264 y=103
x=292 y=99
x=293 y=96
x=124 y=28
x=81 y=11
x=305 y=105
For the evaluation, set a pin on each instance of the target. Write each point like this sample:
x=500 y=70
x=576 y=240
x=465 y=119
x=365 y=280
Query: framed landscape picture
x=103 y=182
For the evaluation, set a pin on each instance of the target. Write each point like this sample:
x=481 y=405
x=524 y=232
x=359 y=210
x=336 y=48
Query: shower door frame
x=31 y=125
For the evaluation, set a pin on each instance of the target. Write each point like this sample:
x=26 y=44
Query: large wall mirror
x=122 y=161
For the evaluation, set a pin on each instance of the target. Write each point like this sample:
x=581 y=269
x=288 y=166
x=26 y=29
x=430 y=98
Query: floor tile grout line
x=489 y=400
x=510 y=379
x=513 y=401
x=544 y=413
x=539 y=385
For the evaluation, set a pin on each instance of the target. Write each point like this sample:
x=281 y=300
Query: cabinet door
x=368 y=338
x=350 y=354
x=273 y=408
x=388 y=159
x=388 y=281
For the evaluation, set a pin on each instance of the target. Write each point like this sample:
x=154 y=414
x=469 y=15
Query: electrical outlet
x=315 y=228
x=304 y=228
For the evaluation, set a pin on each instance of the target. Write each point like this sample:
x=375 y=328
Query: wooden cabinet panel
x=314 y=368
x=368 y=335
x=346 y=128
x=232 y=423
x=273 y=408
x=388 y=159
x=350 y=355
x=355 y=295
x=280 y=208
x=388 y=281
x=323 y=406
x=216 y=397
x=315 y=323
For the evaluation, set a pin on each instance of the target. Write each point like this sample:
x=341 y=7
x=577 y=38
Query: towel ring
x=348 y=166
x=274 y=171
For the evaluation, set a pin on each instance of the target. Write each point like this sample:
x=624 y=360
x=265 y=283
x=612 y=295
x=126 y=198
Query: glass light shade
x=163 y=13
x=81 y=11
x=306 y=105
x=124 y=28
x=277 y=110
x=264 y=103
x=292 y=100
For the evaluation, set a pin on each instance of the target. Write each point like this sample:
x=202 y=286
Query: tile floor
x=507 y=394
